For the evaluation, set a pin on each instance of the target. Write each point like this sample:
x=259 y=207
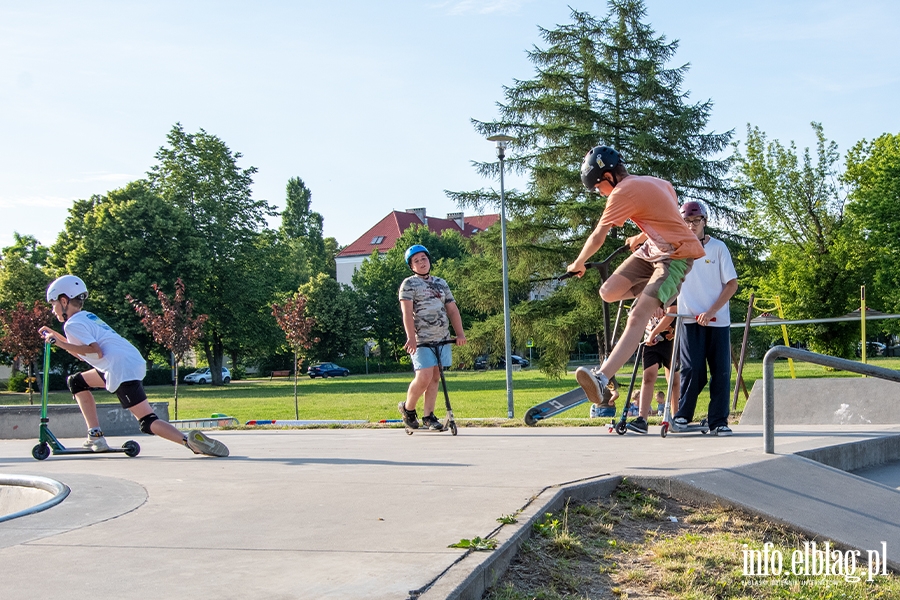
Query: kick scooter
x=448 y=424
x=668 y=422
x=48 y=442
x=621 y=426
x=576 y=397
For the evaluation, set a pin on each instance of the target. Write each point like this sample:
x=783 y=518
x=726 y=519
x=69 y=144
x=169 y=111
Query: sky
x=370 y=103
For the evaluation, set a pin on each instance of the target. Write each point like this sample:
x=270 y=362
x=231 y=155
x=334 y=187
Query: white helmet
x=70 y=285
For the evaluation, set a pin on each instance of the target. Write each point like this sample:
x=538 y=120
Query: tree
x=199 y=174
x=873 y=175
x=21 y=340
x=338 y=320
x=175 y=328
x=22 y=278
x=813 y=261
x=603 y=80
x=121 y=244
x=291 y=316
x=301 y=229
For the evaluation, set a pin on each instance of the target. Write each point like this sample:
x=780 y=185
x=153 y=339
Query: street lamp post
x=501 y=141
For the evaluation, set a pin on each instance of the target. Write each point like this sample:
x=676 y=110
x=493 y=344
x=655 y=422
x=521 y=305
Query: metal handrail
x=811 y=357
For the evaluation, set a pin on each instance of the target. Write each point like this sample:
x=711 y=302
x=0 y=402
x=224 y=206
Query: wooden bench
x=280 y=374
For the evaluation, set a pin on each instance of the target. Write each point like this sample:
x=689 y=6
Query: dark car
x=327 y=370
x=482 y=362
x=872 y=349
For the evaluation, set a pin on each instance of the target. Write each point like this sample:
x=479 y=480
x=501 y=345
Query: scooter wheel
x=132 y=448
x=453 y=428
x=41 y=451
x=621 y=428
x=664 y=430
x=529 y=417
x=409 y=431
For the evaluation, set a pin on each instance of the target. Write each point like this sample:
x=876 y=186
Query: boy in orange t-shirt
x=662 y=255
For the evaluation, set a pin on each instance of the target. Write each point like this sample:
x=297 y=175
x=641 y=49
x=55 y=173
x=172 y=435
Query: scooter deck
x=448 y=426
x=554 y=406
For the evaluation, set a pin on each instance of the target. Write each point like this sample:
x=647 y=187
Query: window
x=377 y=239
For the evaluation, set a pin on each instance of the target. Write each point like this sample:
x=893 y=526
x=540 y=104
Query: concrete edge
x=475 y=572
x=854 y=456
x=58 y=490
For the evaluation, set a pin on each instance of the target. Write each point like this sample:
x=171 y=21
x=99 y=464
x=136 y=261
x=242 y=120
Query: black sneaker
x=721 y=431
x=638 y=425
x=432 y=422
x=410 y=418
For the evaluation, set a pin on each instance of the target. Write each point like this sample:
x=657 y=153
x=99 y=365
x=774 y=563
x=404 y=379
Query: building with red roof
x=383 y=235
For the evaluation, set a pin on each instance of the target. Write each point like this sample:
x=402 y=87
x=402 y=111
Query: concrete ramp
x=827 y=401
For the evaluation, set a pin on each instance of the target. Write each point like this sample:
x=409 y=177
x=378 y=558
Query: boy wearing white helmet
x=428 y=309
x=118 y=366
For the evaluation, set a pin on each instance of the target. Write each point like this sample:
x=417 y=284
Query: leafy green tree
x=301 y=230
x=199 y=174
x=873 y=175
x=339 y=322
x=815 y=262
x=601 y=80
x=123 y=243
x=22 y=278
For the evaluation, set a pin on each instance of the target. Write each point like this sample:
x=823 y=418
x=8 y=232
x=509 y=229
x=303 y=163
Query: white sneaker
x=594 y=409
x=594 y=385
x=96 y=443
x=203 y=444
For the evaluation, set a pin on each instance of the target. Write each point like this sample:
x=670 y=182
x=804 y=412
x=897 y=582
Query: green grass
x=473 y=394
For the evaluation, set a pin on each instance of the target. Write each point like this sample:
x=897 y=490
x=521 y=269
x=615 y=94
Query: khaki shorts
x=661 y=279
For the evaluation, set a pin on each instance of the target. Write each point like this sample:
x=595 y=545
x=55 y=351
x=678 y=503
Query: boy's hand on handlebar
x=461 y=340
x=577 y=268
x=634 y=242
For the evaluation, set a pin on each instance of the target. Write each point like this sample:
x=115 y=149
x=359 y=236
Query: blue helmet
x=413 y=250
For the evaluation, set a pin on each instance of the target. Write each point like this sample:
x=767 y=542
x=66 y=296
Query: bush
x=17 y=383
x=357 y=366
x=159 y=376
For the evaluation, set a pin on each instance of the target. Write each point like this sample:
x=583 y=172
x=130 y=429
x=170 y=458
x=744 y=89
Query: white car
x=204 y=375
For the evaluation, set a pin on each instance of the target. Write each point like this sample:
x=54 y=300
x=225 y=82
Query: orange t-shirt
x=652 y=205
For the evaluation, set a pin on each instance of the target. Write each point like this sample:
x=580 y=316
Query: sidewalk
x=363 y=513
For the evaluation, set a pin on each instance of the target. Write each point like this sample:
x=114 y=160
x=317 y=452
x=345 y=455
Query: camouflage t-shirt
x=428 y=297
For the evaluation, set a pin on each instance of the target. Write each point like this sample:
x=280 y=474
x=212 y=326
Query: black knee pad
x=146 y=421
x=77 y=383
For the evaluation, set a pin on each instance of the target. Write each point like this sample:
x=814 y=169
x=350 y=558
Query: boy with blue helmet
x=428 y=309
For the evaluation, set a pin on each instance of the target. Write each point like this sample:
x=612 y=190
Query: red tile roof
x=383 y=235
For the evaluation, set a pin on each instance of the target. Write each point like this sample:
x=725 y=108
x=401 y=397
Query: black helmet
x=598 y=161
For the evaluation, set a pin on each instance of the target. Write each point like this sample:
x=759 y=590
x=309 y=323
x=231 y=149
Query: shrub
x=17 y=382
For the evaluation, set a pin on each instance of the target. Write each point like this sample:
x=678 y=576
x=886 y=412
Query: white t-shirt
x=121 y=361
x=704 y=283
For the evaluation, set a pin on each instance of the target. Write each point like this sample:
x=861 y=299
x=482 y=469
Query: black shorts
x=130 y=393
x=658 y=354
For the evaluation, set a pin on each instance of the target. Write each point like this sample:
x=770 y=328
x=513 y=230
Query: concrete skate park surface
x=369 y=513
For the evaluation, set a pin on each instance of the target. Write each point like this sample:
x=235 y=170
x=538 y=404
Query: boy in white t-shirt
x=707 y=337
x=118 y=366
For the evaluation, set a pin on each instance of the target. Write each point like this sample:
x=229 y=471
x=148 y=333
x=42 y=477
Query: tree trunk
x=215 y=352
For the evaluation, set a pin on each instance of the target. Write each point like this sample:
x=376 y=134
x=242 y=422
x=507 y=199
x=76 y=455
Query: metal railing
x=811 y=357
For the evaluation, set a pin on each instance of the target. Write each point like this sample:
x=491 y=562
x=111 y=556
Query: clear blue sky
x=369 y=102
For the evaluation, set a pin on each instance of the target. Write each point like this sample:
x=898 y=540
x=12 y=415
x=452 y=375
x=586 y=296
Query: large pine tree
x=598 y=81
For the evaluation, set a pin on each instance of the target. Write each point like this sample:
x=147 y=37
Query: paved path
x=363 y=513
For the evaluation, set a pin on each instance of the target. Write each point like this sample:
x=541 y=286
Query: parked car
x=872 y=349
x=482 y=362
x=204 y=375
x=327 y=370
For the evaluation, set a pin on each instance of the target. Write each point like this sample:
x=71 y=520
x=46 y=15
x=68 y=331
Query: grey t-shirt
x=428 y=297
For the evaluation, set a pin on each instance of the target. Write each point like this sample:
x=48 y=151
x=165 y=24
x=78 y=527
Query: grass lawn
x=473 y=394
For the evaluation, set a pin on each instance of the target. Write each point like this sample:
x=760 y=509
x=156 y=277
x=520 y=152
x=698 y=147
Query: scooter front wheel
x=529 y=417
x=621 y=428
x=453 y=427
x=41 y=451
x=664 y=430
x=132 y=448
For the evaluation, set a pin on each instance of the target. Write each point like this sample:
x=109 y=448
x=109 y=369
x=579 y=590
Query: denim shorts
x=424 y=357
